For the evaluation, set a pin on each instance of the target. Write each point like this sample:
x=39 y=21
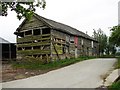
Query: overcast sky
x=84 y=15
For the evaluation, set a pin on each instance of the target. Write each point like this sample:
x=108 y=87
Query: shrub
x=118 y=54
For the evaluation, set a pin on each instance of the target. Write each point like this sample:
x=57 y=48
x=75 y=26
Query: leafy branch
x=23 y=8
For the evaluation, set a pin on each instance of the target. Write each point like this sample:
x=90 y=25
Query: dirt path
x=86 y=74
x=9 y=73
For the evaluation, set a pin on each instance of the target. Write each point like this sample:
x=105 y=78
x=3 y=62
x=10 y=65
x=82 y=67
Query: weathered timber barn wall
x=50 y=40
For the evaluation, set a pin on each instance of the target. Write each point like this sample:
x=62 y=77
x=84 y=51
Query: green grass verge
x=36 y=64
x=115 y=86
x=107 y=56
x=117 y=66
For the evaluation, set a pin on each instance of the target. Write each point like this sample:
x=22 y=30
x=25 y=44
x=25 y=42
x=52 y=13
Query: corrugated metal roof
x=3 y=40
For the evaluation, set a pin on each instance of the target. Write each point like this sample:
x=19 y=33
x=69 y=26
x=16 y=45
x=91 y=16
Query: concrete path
x=86 y=74
x=112 y=77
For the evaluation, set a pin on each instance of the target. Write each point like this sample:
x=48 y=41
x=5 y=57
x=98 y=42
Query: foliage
x=105 y=46
x=110 y=48
x=36 y=63
x=101 y=37
x=23 y=8
x=115 y=36
x=117 y=54
x=115 y=86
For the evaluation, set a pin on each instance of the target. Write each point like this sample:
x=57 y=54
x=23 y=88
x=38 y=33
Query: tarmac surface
x=85 y=74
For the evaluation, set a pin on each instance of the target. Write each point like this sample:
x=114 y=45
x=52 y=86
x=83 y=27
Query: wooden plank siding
x=33 y=23
x=39 y=37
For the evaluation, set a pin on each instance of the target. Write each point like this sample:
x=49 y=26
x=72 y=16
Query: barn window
x=71 y=39
x=36 y=32
x=28 y=32
x=46 y=31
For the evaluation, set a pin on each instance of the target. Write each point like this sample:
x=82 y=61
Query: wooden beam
x=51 y=40
x=56 y=51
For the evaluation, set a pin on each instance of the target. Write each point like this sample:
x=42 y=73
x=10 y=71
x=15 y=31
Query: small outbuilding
x=7 y=50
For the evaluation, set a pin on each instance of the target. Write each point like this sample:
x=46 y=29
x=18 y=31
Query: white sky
x=84 y=15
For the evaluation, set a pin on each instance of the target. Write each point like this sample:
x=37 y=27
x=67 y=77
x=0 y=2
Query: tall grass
x=31 y=63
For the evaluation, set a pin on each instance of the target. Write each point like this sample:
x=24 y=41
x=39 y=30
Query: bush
x=118 y=54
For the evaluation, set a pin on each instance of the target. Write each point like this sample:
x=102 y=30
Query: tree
x=105 y=44
x=102 y=38
x=115 y=35
x=110 y=49
x=23 y=8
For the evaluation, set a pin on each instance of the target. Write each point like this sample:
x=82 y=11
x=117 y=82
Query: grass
x=117 y=66
x=107 y=56
x=36 y=64
x=115 y=86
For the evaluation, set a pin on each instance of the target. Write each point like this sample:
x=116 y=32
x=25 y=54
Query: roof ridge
x=59 y=23
x=43 y=18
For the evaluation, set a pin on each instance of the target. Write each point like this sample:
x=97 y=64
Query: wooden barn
x=51 y=40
